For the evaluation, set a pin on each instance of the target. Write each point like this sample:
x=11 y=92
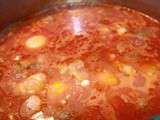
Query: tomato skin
x=97 y=112
x=129 y=104
x=154 y=102
x=125 y=111
x=94 y=113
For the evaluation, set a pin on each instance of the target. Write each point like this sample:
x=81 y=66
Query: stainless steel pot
x=13 y=10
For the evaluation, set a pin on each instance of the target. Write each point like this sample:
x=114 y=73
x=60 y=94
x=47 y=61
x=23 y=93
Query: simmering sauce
x=90 y=63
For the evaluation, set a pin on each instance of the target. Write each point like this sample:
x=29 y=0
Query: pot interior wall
x=12 y=11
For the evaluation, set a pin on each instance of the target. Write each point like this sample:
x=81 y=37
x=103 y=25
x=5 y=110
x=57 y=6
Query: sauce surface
x=91 y=63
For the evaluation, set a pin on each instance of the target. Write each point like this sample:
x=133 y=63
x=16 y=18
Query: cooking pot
x=12 y=10
x=17 y=10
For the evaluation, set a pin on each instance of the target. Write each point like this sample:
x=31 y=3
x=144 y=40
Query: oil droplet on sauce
x=58 y=88
x=121 y=30
x=85 y=83
x=108 y=78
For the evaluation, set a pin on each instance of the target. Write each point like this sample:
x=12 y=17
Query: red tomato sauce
x=90 y=63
